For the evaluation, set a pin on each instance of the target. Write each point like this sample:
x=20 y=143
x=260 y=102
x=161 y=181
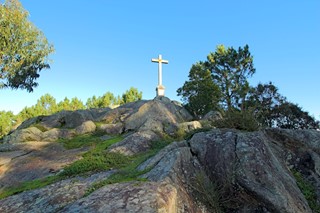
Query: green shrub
x=180 y=133
x=128 y=171
x=207 y=192
x=81 y=141
x=235 y=119
x=308 y=191
x=95 y=162
x=97 y=159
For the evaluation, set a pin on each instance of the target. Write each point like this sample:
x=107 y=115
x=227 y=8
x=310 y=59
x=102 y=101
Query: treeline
x=220 y=83
x=47 y=105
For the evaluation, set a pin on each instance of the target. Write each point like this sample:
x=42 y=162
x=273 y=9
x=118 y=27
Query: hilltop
x=152 y=156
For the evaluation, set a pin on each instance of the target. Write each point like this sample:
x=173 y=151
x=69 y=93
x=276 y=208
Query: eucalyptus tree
x=24 y=49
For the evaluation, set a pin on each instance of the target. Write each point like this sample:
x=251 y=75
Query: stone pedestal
x=160 y=90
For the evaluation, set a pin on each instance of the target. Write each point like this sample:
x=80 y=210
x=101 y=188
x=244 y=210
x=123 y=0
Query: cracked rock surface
x=250 y=169
x=221 y=170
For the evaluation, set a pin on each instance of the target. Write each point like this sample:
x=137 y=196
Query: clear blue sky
x=104 y=45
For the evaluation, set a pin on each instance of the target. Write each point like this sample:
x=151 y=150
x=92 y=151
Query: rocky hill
x=135 y=159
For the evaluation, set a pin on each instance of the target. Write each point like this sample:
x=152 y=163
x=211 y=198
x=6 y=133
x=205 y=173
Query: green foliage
x=263 y=100
x=131 y=95
x=24 y=49
x=220 y=81
x=230 y=69
x=7 y=121
x=29 y=185
x=64 y=105
x=180 y=133
x=106 y=100
x=46 y=105
x=158 y=145
x=221 y=84
x=236 y=119
x=96 y=162
x=273 y=110
x=80 y=141
x=200 y=94
x=308 y=191
x=74 y=104
x=96 y=159
x=26 y=113
x=208 y=193
x=129 y=171
x=291 y=116
x=109 y=100
x=125 y=174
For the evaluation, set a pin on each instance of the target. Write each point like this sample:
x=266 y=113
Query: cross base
x=160 y=90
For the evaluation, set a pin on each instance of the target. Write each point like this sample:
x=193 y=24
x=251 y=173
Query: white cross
x=159 y=61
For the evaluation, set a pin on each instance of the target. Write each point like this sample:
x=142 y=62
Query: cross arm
x=160 y=61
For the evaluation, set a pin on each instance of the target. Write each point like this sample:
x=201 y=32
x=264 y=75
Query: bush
x=235 y=119
x=307 y=190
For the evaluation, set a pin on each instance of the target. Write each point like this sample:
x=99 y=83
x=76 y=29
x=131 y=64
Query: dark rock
x=76 y=118
x=53 y=121
x=248 y=160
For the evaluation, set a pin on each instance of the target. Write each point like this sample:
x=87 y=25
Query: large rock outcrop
x=249 y=172
x=221 y=170
x=155 y=115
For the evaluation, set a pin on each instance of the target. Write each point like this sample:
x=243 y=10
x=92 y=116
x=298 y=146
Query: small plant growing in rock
x=180 y=134
x=308 y=191
x=207 y=192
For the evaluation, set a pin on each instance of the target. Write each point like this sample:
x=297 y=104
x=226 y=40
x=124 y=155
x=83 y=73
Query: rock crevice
x=217 y=170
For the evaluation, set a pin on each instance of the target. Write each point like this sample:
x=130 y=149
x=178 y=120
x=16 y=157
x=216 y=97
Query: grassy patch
x=308 y=191
x=207 y=192
x=94 y=160
x=129 y=171
x=80 y=141
x=241 y=120
x=97 y=159
x=29 y=185
x=95 y=163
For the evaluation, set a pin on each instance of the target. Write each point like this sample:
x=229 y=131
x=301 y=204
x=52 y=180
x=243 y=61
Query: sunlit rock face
x=215 y=170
